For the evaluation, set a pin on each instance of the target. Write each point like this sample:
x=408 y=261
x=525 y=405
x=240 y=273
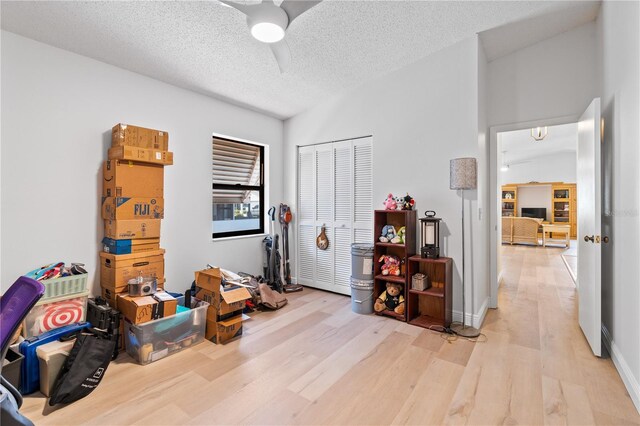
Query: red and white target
x=59 y=314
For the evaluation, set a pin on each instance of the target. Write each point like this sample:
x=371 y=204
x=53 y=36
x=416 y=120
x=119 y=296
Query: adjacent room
x=538 y=192
x=319 y=212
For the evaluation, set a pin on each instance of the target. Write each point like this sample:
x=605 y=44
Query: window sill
x=238 y=237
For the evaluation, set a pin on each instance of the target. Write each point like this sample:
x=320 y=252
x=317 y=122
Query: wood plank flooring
x=317 y=363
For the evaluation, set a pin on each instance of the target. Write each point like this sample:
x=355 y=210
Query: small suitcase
x=30 y=375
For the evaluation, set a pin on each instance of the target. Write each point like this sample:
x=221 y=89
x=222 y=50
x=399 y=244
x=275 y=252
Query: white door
x=589 y=204
x=335 y=190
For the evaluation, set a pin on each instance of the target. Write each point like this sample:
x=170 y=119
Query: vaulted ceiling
x=337 y=45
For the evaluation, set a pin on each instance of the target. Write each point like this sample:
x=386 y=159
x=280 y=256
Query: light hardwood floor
x=316 y=362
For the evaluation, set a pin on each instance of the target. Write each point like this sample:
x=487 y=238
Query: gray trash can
x=362 y=261
x=361 y=296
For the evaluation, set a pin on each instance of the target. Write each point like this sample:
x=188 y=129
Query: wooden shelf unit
x=397 y=218
x=565 y=206
x=509 y=205
x=433 y=306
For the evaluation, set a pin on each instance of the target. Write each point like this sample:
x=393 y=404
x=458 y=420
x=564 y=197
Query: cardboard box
x=133 y=153
x=138 y=310
x=118 y=208
x=130 y=246
x=110 y=294
x=209 y=279
x=117 y=270
x=126 y=134
x=224 y=302
x=167 y=303
x=122 y=178
x=221 y=332
x=132 y=229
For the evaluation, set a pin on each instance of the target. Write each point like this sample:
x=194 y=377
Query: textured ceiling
x=206 y=47
x=518 y=146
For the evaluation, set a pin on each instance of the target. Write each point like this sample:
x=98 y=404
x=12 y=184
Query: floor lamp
x=463 y=174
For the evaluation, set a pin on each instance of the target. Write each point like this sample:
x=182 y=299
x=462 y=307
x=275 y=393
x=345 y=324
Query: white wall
x=57 y=112
x=619 y=49
x=554 y=78
x=420 y=117
x=535 y=196
x=560 y=167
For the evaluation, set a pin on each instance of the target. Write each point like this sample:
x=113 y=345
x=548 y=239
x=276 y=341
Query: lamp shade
x=463 y=173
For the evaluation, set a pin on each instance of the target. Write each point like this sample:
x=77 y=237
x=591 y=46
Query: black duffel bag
x=84 y=368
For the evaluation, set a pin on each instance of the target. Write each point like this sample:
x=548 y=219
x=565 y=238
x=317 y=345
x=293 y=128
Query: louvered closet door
x=306 y=238
x=343 y=214
x=334 y=191
x=363 y=190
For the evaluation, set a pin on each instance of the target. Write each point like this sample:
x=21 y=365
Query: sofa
x=520 y=230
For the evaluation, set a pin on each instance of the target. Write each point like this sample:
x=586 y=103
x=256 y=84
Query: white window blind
x=234 y=163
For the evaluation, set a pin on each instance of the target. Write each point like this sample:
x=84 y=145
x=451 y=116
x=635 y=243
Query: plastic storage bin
x=64 y=286
x=11 y=366
x=362 y=296
x=51 y=357
x=157 y=339
x=55 y=313
x=362 y=261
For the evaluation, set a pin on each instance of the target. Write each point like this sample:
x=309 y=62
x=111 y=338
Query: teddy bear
x=391 y=265
x=399 y=238
x=391 y=299
x=388 y=233
x=390 y=203
x=405 y=203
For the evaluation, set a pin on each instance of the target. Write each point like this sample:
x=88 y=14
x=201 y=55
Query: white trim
x=476 y=319
x=238 y=237
x=630 y=382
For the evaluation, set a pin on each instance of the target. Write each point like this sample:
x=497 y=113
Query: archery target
x=55 y=315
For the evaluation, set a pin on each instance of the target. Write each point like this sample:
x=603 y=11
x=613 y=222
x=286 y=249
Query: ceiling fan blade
x=282 y=54
x=244 y=8
x=295 y=8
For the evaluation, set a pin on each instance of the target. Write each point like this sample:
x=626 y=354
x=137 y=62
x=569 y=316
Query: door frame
x=495 y=231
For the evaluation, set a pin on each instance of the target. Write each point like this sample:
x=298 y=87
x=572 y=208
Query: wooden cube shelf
x=431 y=307
x=398 y=219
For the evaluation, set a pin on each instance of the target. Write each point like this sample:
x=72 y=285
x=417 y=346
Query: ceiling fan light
x=267 y=32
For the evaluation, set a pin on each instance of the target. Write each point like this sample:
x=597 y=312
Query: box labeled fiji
x=113 y=246
x=122 y=178
x=117 y=270
x=118 y=208
x=209 y=279
x=126 y=134
x=55 y=313
x=132 y=229
x=144 y=155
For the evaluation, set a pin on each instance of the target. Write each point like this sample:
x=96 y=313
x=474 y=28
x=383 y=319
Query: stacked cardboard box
x=224 y=315
x=132 y=208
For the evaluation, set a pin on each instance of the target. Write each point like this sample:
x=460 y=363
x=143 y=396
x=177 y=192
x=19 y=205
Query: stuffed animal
x=391 y=299
x=391 y=265
x=406 y=203
x=390 y=203
x=399 y=238
x=388 y=233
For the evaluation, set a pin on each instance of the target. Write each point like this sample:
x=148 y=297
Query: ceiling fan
x=269 y=22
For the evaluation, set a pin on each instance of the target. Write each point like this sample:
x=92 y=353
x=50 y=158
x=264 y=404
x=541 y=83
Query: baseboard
x=476 y=319
x=630 y=382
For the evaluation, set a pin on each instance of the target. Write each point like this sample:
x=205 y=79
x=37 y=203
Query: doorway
x=538 y=194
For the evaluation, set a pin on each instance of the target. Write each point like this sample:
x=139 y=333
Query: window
x=238 y=188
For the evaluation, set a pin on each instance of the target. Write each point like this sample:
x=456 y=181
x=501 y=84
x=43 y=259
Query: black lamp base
x=430 y=252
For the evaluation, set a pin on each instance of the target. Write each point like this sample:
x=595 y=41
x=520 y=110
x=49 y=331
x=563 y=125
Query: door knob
x=588 y=238
x=605 y=239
